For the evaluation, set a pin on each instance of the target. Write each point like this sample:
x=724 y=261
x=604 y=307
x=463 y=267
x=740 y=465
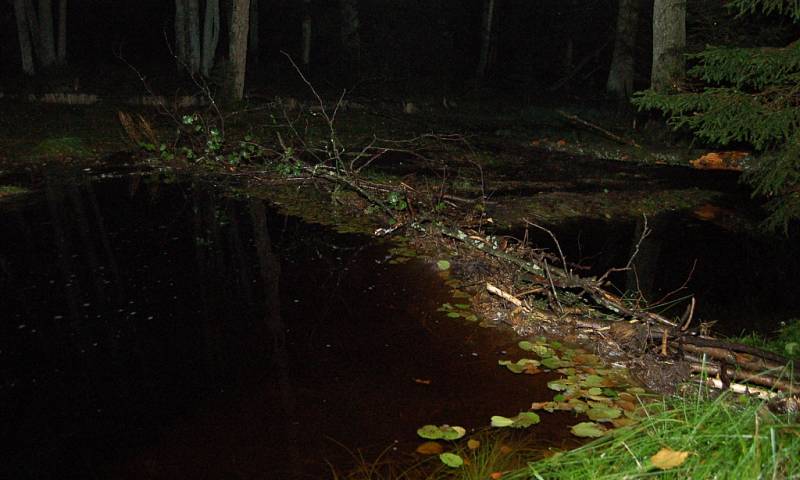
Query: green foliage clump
x=751 y=96
x=727 y=438
x=786 y=342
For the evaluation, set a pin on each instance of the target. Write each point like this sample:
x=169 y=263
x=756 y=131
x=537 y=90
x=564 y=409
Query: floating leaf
x=588 y=430
x=500 y=422
x=451 y=460
x=453 y=314
x=443 y=265
x=473 y=444
x=430 y=448
x=471 y=318
x=462 y=305
x=596 y=391
x=442 y=432
x=526 y=345
x=543 y=350
x=603 y=413
x=525 y=365
x=666 y=459
x=557 y=385
x=554 y=362
x=592 y=381
x=547 y=406
x=522 y=420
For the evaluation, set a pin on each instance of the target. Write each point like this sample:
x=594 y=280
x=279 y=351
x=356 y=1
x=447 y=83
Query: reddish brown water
x=162 y=330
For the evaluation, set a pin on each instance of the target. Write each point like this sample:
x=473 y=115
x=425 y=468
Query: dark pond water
x=163 y=330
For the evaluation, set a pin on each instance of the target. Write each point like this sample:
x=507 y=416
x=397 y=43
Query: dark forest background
x=409 y=44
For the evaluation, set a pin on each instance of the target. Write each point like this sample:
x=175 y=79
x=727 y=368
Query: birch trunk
x=237 y=50
x=252 y=40
x=486 y=39
x=193 y=34
x=47 y=53
x=669 y=43
x=621 y=74
x=210 y=36
x=61 y=55
x=180 y=33
x=306 y=55
x=23 y=35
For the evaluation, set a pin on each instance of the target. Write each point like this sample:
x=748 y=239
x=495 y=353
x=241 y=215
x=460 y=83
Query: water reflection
x=163 y=330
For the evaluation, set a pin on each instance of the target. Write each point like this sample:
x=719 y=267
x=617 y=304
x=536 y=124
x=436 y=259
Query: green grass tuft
x=727 y=437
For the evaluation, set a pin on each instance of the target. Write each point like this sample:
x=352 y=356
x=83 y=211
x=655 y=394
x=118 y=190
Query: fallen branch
x=597 y=128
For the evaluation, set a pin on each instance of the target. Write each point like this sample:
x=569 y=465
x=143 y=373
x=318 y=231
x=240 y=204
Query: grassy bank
x=699 y=437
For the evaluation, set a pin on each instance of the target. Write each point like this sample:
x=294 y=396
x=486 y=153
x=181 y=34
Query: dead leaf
x=496 y=475
x=473 y=444
x=505 y=450
x=622 y=422
x=666 y=458
x=430 y=448
x=720 y=161
x=626 y=405
x=561 y=142
x=422 y=381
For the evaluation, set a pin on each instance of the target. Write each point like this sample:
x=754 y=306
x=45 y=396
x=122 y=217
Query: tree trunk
x=669 y=43
x=47 y=53
x=486 y=39
x=61 y=56
x=351 y=36
x=306 y=34
x=23 y=34
x=237 y=50
x=252 y=40
x=621 y=74
x=180 y=33
x=210 y=36
x=193 y=33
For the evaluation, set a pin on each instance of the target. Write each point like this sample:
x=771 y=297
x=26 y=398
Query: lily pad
x=441 y=432
x=554 y=362
x=523 y=365
x=522 y=420
x=603 y=413
x=588 y=430
x=451 y=460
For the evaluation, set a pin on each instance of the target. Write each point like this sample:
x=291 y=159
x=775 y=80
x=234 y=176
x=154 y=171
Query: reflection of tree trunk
x=642 y=276
x=111 y=257
x=84 y=230
x=270 y=274
x=242 y=264
x=211 y=325
x=72 y=291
